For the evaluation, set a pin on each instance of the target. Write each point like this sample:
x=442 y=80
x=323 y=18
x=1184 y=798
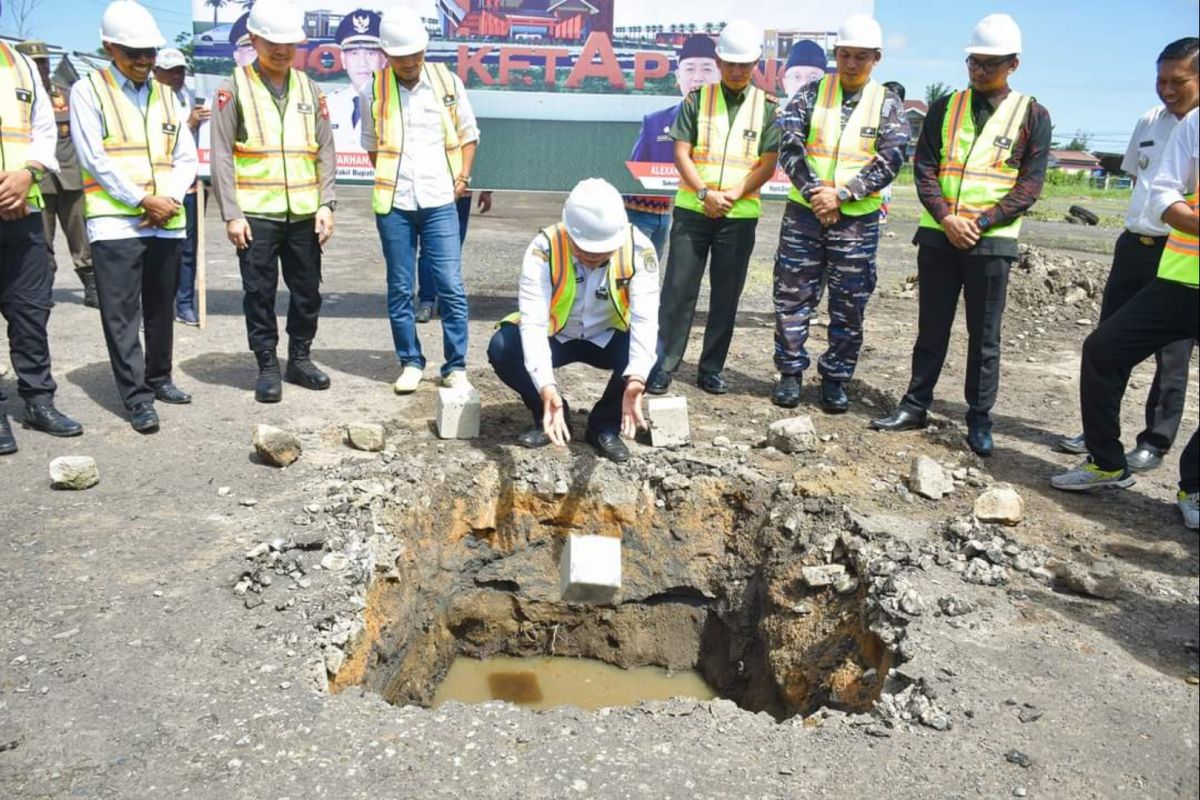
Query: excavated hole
x=712 y=583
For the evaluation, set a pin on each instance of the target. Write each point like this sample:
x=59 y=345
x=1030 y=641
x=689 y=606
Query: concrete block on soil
x=368 y=436
x=458 y=413
x=826 y=575
x=668 y=421
x=1098 y=580
x=927 y=478
x=74 y=472
x=590 y=569
x=793 y=435
x=275 y=445
x=1000 y=504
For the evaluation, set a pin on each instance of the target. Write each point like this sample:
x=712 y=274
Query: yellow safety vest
x=275 y=168
x=835 y=155
x=389 y=130
x=1180 y=262
x=17 y=89
x=724 y=153
x=141 y=146
x=620 y=269
x=974 y=170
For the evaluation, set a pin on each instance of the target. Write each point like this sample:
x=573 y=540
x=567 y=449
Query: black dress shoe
x=170 y=393
x=712 y=382
x=833 y=397
x=46 y=418
x=533 y=439
x=901 y=419
x=980 y=441
x=424 y=313
x=787 y=393
x=8 y=443
x=658 y=382
x=143 y=418
x=609 y=445
x=87 y=277
x=1143 y=458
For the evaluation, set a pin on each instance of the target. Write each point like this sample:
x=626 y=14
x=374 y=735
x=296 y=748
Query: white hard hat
x=277 y=21
x=595 y=217
x=740 y=42
x=995 y=35
x=860 y=30
x=402 y=33
x=126 y=23
x=170 y=58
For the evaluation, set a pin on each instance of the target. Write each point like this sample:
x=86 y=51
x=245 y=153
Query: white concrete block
x=590 y=569
x=668 y=421
x=458 y=413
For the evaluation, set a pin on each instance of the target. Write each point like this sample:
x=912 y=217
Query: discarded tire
x=1081 y=213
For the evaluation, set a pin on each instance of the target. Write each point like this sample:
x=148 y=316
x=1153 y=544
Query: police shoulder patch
x=650 y=261
x=324 y=106
x=223 y=98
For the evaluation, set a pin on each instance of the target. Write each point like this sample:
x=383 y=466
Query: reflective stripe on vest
x=275 y=169
x=835 y=155
x=974 y=172
x=140 y=146
x=1180 y=262
x=620 y=271
x=389 y=129
x=725 y=153
x=17 y=89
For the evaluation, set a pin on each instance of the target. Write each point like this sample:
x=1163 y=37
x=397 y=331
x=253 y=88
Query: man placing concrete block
x=458 y=412
x=590 y=569
x=668 y=421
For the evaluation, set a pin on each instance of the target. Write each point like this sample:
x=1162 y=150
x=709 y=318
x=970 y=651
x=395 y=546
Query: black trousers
x=983 y=282
x=694 y=238
x=26 y=279
x=1159 y=314
x=135 y=282
x=294 y=246
x=1135 y=266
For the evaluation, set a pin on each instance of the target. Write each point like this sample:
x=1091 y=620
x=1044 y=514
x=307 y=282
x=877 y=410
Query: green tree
x=187 y=46
x=936 y=91
x=1079 y=142
x=217 y=5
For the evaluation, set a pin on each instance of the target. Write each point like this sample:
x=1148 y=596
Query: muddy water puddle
x=549 y=682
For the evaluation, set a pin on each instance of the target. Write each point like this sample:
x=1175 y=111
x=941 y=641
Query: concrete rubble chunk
x=1000 y=504
x=927 y=478
x=590 y=569
x=458 y=412
x=1098 y=580
x=276 y=446
x=793 y=435
x=668 y=421
x=825 y=575
x=368 y=436
x=74 y=472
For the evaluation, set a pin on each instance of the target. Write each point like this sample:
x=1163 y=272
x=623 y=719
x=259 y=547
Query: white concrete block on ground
x=668 y=421
x=590 y=569
x=458 y=412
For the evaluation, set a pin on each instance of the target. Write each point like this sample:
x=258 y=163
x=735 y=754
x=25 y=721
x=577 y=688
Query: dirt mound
x=1051 y=286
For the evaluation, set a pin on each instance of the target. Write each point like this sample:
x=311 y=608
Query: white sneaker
x=1088 y=476
x=1189 y=505
x=456 y=380
x=410 y=378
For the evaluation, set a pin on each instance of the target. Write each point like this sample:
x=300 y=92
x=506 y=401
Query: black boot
x=300 y=368
x=269 y=388
x=8 y=443
x=87 y=276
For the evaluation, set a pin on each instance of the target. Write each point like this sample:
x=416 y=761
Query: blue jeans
x=655 y=226
x=185 y=295
x=435 y=232
x=426 y=289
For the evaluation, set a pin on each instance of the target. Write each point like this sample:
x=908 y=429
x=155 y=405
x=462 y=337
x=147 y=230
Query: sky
x=1090 y=63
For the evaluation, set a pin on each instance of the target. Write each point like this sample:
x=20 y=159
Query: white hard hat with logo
x=170 y=58
x=860 y=30
x=740 y=42
x=126 y=23
x=402 y=33
x=595 y=217
x=277 y=21
x=995 y=35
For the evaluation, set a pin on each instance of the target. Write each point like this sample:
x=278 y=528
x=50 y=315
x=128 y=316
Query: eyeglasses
x=989 y=65
x=138 y=53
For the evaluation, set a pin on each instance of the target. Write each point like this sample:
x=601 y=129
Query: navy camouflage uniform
x=842 y=255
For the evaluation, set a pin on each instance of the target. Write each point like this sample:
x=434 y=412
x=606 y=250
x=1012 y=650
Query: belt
x=1148 y=241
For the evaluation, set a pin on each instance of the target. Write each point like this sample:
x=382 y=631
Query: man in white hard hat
x=420 y=132
x=1140 y=246
x=26 y=270
x=980 y=165
x=589 y=294
x=273 y=173
x=171 y=71
x=725 y=149
x=138 y=161
x=844 y=140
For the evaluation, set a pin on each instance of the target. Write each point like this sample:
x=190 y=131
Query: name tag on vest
x=24 y=95
x=449 y=100
x=304 y=108
x=750 y=135
x=1147 y=143
x=869 y=133
x=1004 y=143
x=168 y=128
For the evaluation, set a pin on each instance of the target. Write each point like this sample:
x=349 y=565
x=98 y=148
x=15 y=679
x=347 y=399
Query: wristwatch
x=35 y=173
x=844 y=195
x=703 y=193
x=330 y=204
x=465 y=179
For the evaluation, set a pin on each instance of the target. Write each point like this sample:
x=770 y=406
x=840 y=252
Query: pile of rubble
x=1045 y=287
